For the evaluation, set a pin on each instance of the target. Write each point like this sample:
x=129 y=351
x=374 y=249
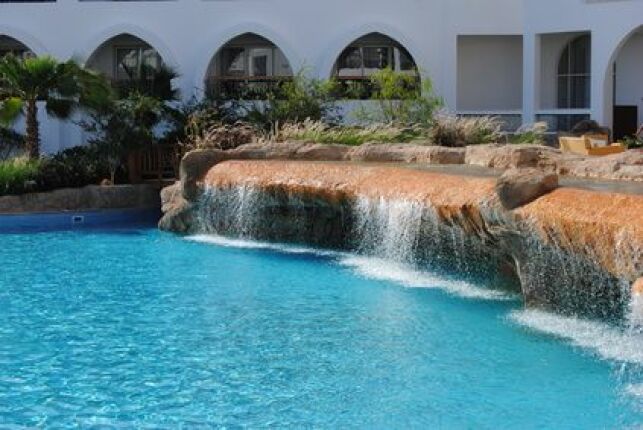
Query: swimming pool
x=131 y=328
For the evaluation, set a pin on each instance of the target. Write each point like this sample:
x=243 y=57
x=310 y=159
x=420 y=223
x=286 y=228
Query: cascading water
x=388 y=229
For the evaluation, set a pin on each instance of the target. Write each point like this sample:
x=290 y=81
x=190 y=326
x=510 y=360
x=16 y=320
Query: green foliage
x=295 y=101
x=18 y=175
x=319 y=132
x=11 y=143
x=633 y=142
x=72 y=168
x=454 y=131
x=125 y=125
x=152 y=82
x=533 y=134
x=400 y=100
x=63 y=86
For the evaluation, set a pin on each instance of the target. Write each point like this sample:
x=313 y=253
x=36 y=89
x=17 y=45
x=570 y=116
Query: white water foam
x=608 y=342
x=408 y=276
x=636 y=311
x=635 y=390
x=369 y=267
x=227 y=242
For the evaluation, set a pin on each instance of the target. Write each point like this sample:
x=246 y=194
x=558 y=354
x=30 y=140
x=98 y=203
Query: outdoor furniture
x=590 y=144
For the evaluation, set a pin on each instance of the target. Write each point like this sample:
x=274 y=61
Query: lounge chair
x=590 y=144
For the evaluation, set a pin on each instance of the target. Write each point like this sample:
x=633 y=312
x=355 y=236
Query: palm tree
x=62 y=86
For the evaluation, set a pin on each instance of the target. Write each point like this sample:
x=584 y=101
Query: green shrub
x=399 y=99
x=18 y=175
x=296 y=100
x=633 y=142
x=533 y=134
x=454 y=131
x=72 y=168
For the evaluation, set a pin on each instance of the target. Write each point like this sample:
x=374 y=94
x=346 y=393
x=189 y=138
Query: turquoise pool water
x=135 y=328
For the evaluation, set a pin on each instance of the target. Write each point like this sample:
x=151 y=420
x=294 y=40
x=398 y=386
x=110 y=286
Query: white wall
x=489 y=73
x=187 y=34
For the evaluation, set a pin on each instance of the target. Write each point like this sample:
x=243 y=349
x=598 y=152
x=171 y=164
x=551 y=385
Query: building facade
x=558 y=61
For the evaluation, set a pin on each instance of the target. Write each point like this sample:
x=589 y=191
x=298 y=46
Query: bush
x=72 y=168
x=401 y=100
x=18 y=175
x=633 y=142
x=319 y=132
x=295 y=101
x=533 y=134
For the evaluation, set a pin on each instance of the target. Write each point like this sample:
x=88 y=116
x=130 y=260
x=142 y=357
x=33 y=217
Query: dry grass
x=454 y=131
x=319 y=132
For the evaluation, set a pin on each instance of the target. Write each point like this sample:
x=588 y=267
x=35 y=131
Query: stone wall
x=88 y=198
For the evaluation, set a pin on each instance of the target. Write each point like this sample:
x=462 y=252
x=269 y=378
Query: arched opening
x=9 y=45
x=246 y=67
x=564 y=96
x=574 y=74
x=131 y=64
x=368 y=55
x=627 y=86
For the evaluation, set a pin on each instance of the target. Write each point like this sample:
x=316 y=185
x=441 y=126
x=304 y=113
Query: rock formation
x=574 y=250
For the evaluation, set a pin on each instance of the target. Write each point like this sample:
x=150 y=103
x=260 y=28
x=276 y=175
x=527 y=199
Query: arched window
x=574 y=74
x=9 y=45
x=247 y=67
x=131 y=64
x=368 y=55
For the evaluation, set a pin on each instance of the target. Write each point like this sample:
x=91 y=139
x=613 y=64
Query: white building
x=528 y=60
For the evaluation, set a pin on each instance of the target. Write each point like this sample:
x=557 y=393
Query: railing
x=562 y=119
x=511 y=119
x=361 y=87
x=160 y=88
x=157 y=163
x=244 y=88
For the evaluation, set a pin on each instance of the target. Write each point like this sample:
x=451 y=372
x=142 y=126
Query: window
x=259 y=61
x=136 y=62
x=574 y=77
x=363 y=61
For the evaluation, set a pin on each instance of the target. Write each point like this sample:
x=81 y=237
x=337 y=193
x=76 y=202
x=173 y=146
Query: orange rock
x=637 y=288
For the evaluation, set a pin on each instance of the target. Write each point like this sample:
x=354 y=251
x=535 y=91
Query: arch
x=327 y=63
x=32 y=43
x=148 y=37
x=606 y=105
x=215 y=43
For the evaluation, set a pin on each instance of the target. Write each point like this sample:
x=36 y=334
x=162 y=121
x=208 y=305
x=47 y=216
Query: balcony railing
x=160 y=88
x=562 y=119
x=245 y=88
x=362 y=87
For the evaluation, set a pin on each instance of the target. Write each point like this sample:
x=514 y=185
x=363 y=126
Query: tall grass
x=455 y=131
x=16 y=175
x=319 y=132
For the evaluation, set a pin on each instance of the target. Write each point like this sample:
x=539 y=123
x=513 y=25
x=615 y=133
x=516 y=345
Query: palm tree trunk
x=32 y=137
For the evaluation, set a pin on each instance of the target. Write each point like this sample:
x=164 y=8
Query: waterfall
x=388 y=229
x=636 y=312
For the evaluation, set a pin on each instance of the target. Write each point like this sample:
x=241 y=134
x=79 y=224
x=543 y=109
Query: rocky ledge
x=571 y=249
x=86 y=198
x=625 y=166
